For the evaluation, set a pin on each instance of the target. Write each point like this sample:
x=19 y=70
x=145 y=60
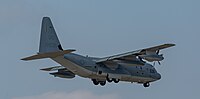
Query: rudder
x=49 y=41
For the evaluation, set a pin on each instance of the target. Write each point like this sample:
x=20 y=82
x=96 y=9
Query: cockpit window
x=152 y=71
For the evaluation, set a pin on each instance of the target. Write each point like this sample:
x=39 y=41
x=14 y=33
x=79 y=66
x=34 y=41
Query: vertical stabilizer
x=50 y=46
x=49 y=41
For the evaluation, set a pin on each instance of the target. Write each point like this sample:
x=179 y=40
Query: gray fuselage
x=87 y=67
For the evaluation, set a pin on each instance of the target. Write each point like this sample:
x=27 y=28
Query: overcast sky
x=100 y=28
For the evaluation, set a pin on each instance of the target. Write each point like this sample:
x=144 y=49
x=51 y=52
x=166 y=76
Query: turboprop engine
x=152 y=57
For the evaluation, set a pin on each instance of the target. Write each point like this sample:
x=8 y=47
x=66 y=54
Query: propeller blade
x=158 y=52
x=159 y=63
x=140 y=58
x=154 y=63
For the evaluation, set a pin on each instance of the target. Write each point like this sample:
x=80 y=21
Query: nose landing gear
x=147 y=84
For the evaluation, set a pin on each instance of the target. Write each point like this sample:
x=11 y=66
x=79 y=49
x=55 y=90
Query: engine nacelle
x=152 y=57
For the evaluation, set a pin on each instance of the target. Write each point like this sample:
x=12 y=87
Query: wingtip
x=44 y=69
x=170 y=44
x=71 y=50
x=173 y=44
x=23 y=59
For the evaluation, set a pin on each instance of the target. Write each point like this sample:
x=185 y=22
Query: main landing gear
x=102 y=83
x=113 y=79
x=95 y=82
x=147 y=84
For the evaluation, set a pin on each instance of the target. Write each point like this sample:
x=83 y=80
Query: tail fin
x=50 y=46
x=49 y=41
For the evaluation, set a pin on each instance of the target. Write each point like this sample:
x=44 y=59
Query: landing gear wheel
x=95 y=82
x=108 y=79
x=146 y=84
x=115 y=80
x=102 y=83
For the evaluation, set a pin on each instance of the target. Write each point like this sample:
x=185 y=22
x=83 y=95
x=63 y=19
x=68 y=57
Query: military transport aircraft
x=131 y=67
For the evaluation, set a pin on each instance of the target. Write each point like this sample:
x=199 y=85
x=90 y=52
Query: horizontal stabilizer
x=48 y=55
x=53 y=68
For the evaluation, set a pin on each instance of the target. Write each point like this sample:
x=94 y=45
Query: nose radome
x=158 y=76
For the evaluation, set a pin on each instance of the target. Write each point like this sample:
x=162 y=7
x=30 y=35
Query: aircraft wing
x=133 y=54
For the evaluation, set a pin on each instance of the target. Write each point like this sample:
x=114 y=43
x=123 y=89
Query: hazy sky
x=100 y=28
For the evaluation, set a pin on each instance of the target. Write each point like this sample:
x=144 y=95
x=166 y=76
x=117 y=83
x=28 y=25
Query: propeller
x=159 y=63
x=140 y=58
x=157 y=52
x=154 y=63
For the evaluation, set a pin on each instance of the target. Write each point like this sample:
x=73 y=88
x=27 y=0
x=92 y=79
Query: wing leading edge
x=134 y=54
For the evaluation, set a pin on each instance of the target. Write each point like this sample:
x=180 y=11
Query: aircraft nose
x=158 y=76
